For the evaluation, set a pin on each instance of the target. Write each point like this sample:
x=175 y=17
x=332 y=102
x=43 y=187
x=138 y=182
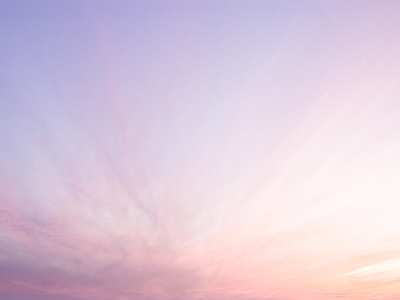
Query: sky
x=205 y=150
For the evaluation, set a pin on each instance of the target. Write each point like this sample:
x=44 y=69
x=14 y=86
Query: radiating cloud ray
x=241 y=150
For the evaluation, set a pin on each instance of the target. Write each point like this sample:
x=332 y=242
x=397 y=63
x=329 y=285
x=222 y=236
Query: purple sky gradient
x=209 y=150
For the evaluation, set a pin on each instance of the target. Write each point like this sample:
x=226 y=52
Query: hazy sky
x=216 y=150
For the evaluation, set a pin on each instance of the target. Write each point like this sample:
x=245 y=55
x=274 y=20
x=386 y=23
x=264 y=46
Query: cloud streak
x=199 y=150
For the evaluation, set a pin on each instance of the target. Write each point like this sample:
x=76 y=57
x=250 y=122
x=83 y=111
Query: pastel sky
x=216 y=150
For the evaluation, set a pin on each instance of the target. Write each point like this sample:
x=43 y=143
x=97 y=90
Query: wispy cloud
x=199 y=150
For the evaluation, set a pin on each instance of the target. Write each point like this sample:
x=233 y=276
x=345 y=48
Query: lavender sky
x=216 y=150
